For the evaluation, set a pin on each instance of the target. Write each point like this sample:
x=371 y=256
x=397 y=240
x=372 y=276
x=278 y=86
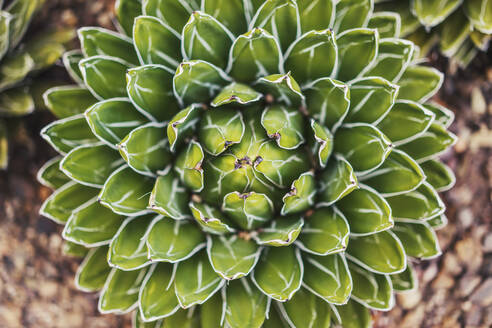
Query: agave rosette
x=247 y=163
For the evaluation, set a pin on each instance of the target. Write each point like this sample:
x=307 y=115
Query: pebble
x=410 y=299
x=443 y=281
x=483 y=295
x=467 y=284
x=413 y=318
x=451 y=264
x=487 y=243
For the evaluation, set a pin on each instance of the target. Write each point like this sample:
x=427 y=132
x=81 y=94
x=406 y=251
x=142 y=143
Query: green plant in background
x=247 y=163
x=460 y=27
x=20 y=61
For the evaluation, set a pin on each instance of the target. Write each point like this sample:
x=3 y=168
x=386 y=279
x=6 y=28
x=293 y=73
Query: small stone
x=430 y=273
x=469 y=252
x=487 y=317
x=487 y=243
x=478 y=103
x=451 y=264
x=465 y=217
x=473 y=316
x=483 y=295
x=467 y=284
x=443 y=281
x=410 y=299
x=413 y=318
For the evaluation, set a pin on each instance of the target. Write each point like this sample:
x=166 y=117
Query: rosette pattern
x=462 y=28
x=247 y=163
x=20 y=60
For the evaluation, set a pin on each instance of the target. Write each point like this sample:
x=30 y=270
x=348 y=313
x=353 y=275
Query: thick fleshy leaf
x=432 y=12
x=301 y=195
x=479 y=13
x=150 y=90
x=325 y=232
x=206 y=39
x=196 y=281
x=245 y=306
x=316 y=15
x=74 y=250
x=438 y=222
x=387 y=23
x=182 y=240
x=337 y=180
x=328 y=101
x=146 y=149
x=96 y=41
x=322 y=142
x=381 y=252
x=283 y=88
x=126 y=192
x=281 y=232
x=406 y=121
x=126 y=11
x=211 y=312
x=371 y=289
x=173 y=13
x=111 y=120
x=156 y=43
x=198 y=81
x=312 y=56
x=220 y=129
x=454 y=31
x=279 y=272
x=188 y=166
x=230 y=13
x=327 y=277
x=306 y=310
x=92 y=225
x=394 y=56
x=68 y=101
x=105 y=76
x=68 y=133
x=419 y=83
x=210 y=219
x=91 y=165
x=405 y=280
x=157 y=299
x=182 y=125
x=418 y=238
x=409 y=23
x=50 y=175
x=249 y=210
x=128 y=250
x=183 y=319
x=236 y=94
x=366 y=211
x=285 y=125
x=364 y=146
x=371 y=98
x=254 y=55
x=61 y=204
x=443 y=115
x=71 y=61
x=137 y=320
x=439 y=175
x=5 y=19
x=275 y=319
x=16 y=102
x=232 y=257
x=93 y=271
x=14 y=69
x=398 y=174
x=354 y=315
x=352 y=13
x=169 y=198
x=357 y=50
x=120 y=292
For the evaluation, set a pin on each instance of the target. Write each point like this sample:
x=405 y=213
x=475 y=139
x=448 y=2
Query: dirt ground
x=36 y=280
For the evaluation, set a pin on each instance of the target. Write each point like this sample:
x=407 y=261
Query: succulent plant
x=19 y=61
x=461 y=28
x=247 y=163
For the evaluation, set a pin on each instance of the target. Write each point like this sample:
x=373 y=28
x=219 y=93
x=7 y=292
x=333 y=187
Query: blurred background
x=455 y=290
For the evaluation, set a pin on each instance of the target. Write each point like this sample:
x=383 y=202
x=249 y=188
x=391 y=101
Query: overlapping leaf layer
x=247 y=163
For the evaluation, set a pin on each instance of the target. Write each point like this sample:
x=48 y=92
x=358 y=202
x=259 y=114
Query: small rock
x=469 y=252
x=443 y=281
x=483 y=295
x=487 y=243
x=451 y=264
x=413 y=318
x=478 y=103
x=430 y=273
x=410 y=299
x=473 y=316
x=467 y=284
x=465 y=217
x=487 y=317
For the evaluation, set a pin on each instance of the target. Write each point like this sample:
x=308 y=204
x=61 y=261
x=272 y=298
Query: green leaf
x=443 y=115
x=126 y=11
x=371 y=98
x=438 y=222
x=394 y=56
x=370 y=289
x=404 y=281
x=419 y=83
x=254 y=55
x=439 y=175
x=74 y=250
x=156 y=43
x=283 y=88
x=146 y=149
x=156 y=298
x=363 y=145
x=182 y=240
x=322 y=143
x=91 y=165
x=418 y=239
x=150 y=90
x=93 y=271
x=92 y=225
x=68 y=101
x=433 y=12
x=210 y=219
x=236 y=93
x=409 y=23
x=357 y=51
x=312 y=56
x=245 y=306
x=205 y=38
x=220 y=129
x=275 y=319
x=14 y=69
x=249 y=210
x=96 y=41
x=284 y=125
x=279 y=272
x=354 y=315
x=387 y=23
x=306 y=310
x=328 y=102
x=454 y=31
x=230 y=13
x=126 y=192
x=381 y=252
x=197 y=81
x=188 y=166
x=111 y=120
x=61 y=204
x=128 y=249
x=211 y=312
x=183 y=319
x=4 y=147
x=5 y=19
x=398 y=174
x=281 y=232
x=479 y=13
x=50 y=175
x=301 y=195
x=172 y=13
x=366 y=211
x=196 y=281
x=406 y=121
x=325 y=232
x=120 y=292
x=169 y=198
x=105 y=76
x=71 y=61
x=22 y=12
x=337 y=181
x=327 y=277
x=182 y=125
x=316 y=15
x=232 y=257
x=352 y=13
x=137 y=321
